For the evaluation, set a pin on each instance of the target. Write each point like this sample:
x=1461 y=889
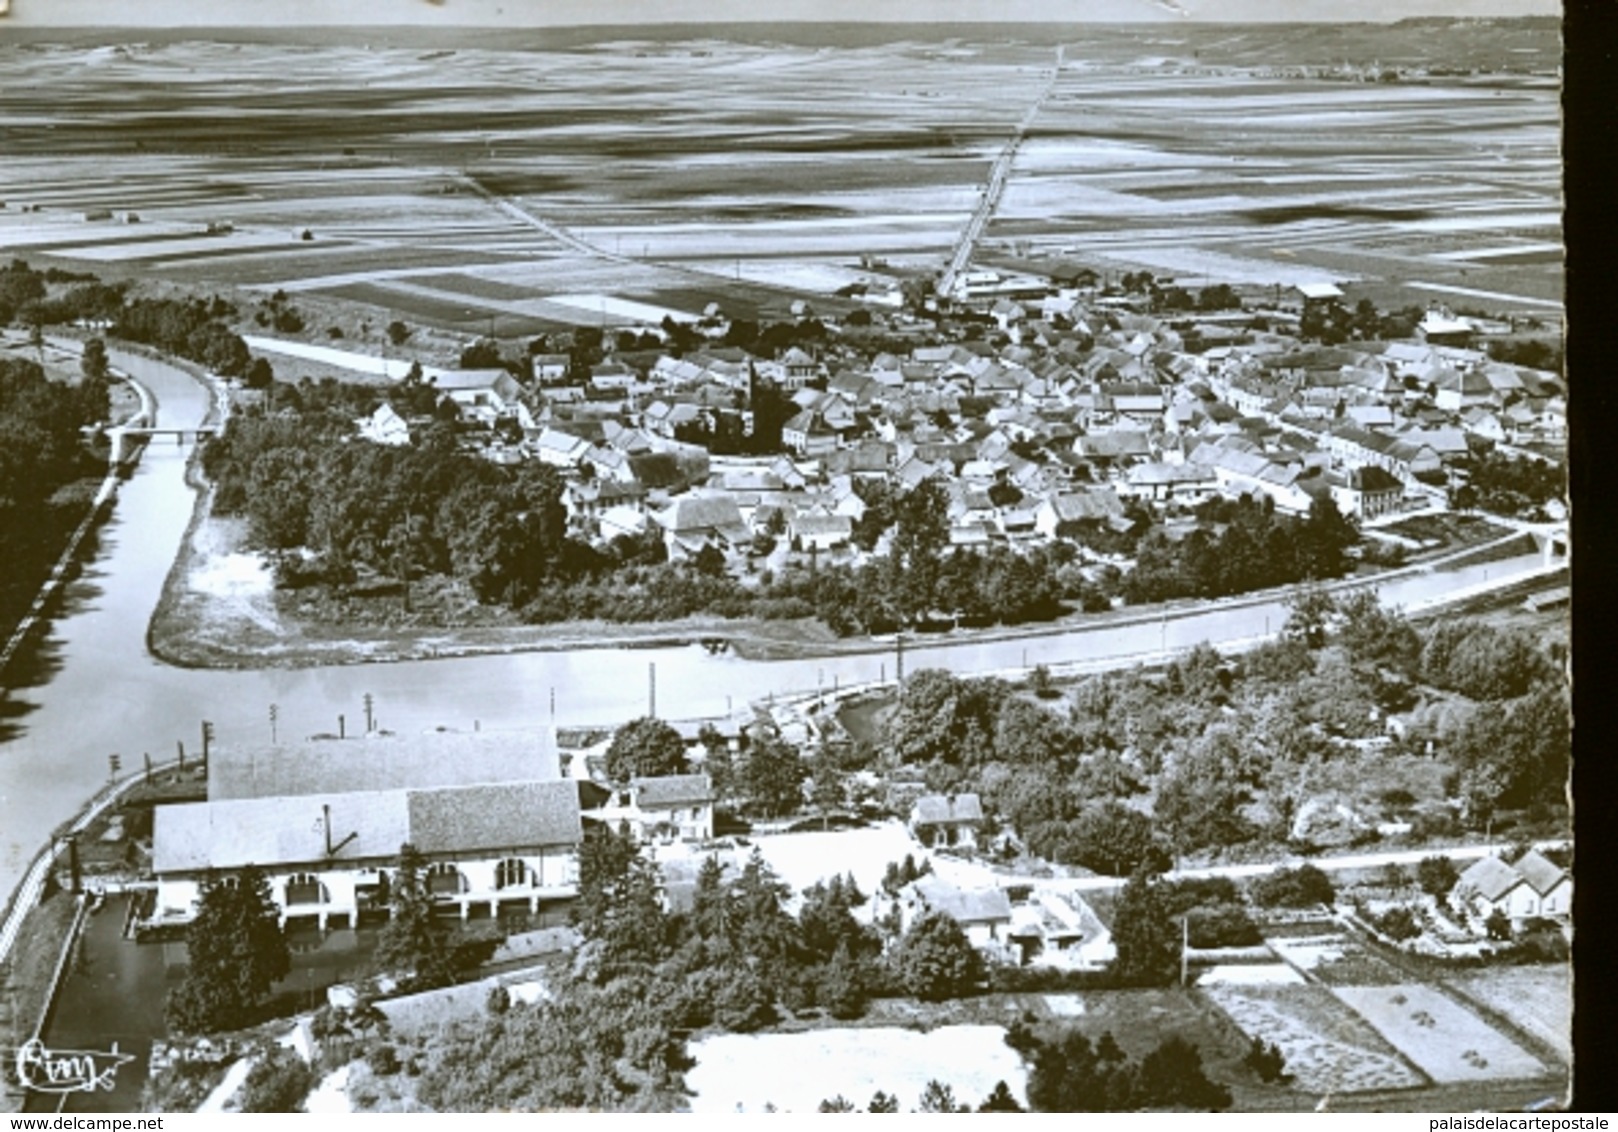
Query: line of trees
x=47 y=473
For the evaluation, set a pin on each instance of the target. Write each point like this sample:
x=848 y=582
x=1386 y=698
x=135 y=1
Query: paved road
x=1329 y=864
x=999 y=176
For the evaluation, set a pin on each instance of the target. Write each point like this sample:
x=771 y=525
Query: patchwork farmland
x=513 y=190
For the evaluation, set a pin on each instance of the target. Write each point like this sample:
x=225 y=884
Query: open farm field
x=1539 y=999
x=645 y=170
x=1328 y=1048
x=1447 y=1041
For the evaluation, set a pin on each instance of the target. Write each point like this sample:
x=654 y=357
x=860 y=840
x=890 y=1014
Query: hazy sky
x=533 y=13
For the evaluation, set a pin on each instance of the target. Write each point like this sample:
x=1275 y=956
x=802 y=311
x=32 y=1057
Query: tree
x=1113 y=839
x=414 y=942
x=1324 y=539
x=1437 y=876
x=939 y=1097
x=826 y=789
x=1145 y=935
x=839 y=1103
x=772 y=777
x=1171 y=1076
x=1267 y=1061
x=1000 y=1099
x=1068 y=1074
x=260 y=374
x=606 y=1048
x=841 y=990
x=279 y=1081
x=604 y=857
x=826 y=919
x=1310 y=611
x=882 y=1102
x=935 y=961
x=398 y=332
x=236 y=953
x=645 y=748
x=1498 y=926
x=93 y=363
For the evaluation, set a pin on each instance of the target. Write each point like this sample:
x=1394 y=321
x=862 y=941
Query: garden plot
x=795 y=1072
x=1335 y=960
x=1448 y=1042
x=1328 y=1048
x=1538 y=999
x=1250 y=975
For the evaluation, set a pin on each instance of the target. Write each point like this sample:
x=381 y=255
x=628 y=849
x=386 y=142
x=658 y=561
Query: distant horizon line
x=801 y=21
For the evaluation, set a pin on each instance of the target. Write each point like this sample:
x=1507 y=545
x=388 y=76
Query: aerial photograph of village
x=845 y=566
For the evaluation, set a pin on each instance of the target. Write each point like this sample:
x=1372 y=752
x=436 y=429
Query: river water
x=100 y=692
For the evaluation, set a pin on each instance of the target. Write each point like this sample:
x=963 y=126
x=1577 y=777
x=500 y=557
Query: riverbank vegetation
x=48 y=474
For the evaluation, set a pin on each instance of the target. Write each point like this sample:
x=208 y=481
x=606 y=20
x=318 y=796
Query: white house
x=483 y=394
x=940 y=820
x=1531 y=887
x=668 y=808
x=984 y=914
x=385 y=427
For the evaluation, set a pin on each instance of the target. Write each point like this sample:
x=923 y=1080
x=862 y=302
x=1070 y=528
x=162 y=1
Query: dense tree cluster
x=1491 y=480
x=1128 y=768
x=1069 y=1073
x=394 y=510
x=42 y=459
x=1238 y=546
x=190 y=328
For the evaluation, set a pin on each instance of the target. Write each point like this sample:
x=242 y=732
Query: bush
x=383 y=1059
x=278 y=1082
x=1398 y=924
x=1223 y=925
x=1266 y=1060
x=1302 y=887
x=1437 y=876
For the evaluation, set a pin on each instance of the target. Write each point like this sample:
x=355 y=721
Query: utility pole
x=370 y=719
x=1185 y=946
x=207 y=738
x=275 y=713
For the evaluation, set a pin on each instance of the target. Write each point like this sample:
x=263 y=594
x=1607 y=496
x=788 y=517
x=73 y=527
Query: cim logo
x=68 y=1070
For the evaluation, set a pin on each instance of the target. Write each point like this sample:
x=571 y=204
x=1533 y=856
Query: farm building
x=331 y=854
